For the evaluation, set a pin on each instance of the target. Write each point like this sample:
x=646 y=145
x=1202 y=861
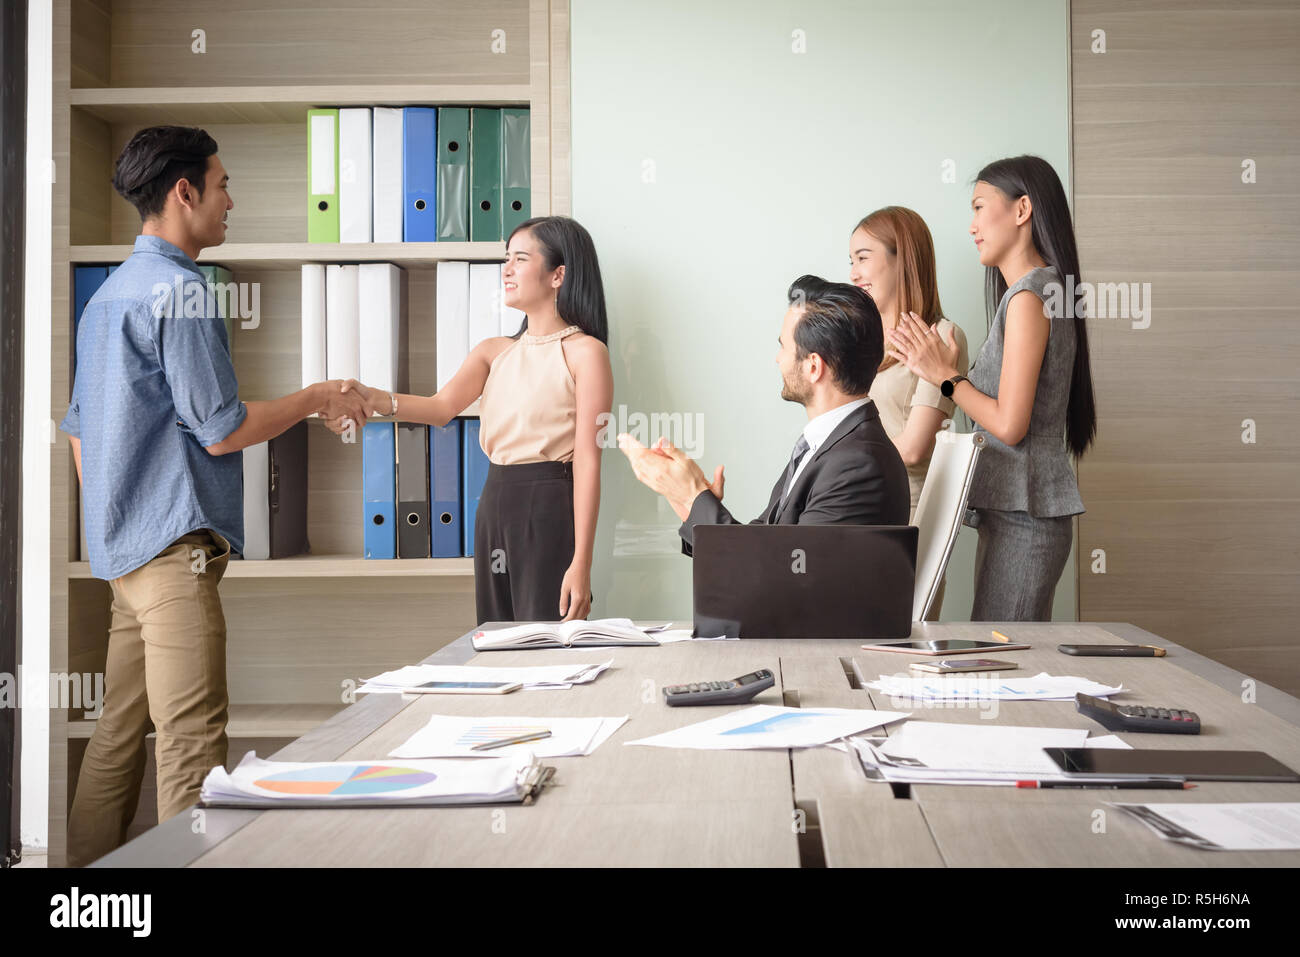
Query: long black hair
x=581 y=299
x=1053 y=236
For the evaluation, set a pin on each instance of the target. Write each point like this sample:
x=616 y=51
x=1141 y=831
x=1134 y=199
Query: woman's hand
x=377 y=401
x=575 y=592
x=923 y=350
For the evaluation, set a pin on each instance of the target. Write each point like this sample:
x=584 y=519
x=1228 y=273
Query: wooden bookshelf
x=292 y=255
x=330 y=566
x=190 y=106
x=298 y=629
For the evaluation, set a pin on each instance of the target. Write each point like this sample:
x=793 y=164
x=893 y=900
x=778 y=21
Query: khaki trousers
x=166 y=672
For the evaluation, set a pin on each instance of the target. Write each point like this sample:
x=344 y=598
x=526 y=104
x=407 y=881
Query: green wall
x=713 y=165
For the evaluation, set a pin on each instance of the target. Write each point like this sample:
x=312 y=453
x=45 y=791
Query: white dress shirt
x=818 y=430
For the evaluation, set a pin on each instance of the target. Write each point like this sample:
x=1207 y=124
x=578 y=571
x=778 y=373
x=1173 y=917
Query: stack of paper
x=1223 y=827
x=768 y=726
x=933 y=752
x=454 y=736
x=258 y=783
x=544 y=677
x=1042 y=687
x=1100 y=741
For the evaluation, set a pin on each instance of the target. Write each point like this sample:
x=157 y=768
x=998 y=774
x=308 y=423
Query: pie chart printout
x=347 y=779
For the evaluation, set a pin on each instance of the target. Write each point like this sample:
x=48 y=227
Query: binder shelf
x=292 y=255
x=331 y=566
x=299 y=629
x=213 y=105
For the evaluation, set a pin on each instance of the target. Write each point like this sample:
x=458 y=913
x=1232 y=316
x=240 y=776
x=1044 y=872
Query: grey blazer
x=856 y=477
x=1034 y=475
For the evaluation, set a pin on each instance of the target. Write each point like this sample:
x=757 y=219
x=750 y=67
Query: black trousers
x=523 y=541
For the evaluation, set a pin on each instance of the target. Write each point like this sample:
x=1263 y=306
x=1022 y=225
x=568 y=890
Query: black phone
x=1112 y=651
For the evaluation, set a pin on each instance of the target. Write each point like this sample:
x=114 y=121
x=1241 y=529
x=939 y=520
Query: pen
x=1119 y=785
x=519 y=739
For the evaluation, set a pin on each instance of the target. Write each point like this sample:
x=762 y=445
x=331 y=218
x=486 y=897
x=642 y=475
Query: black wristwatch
x=947 y=385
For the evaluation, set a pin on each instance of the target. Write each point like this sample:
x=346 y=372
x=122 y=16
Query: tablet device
x=946 y=646
x=1189 y=765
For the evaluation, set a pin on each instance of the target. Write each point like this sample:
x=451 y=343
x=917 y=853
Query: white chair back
x=940 y=510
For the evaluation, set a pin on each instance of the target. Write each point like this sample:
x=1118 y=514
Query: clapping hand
x=665 y=448
x=922 y=349
x=667 y=470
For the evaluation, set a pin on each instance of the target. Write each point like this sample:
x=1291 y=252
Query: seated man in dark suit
x=844 y=469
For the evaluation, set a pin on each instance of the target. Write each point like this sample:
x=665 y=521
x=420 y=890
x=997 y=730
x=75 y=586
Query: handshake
x=345 y=401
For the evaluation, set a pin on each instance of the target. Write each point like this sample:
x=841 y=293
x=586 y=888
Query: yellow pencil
x=1000 y=637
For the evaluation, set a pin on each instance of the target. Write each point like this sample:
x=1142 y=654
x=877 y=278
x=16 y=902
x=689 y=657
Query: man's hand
x=337 y=404
x=666 y=469
x=338 y=426
x=377 y=401
x=665 y=448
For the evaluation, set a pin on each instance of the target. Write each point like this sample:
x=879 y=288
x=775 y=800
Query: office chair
x=940 y=510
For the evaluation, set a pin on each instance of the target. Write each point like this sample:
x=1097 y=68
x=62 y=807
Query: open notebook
x=382 y=783
x=564 y=634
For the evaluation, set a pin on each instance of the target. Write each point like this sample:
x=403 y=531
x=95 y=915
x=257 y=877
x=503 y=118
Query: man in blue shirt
x=157 y=428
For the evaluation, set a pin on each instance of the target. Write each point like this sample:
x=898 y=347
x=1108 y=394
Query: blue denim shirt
x=154 y=386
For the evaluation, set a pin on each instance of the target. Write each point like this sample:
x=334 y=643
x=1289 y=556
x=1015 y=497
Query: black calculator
x=1136 y=717
x=735 y=691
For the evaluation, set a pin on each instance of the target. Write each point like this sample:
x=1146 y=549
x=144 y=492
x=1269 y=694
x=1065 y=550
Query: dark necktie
x=800 y=448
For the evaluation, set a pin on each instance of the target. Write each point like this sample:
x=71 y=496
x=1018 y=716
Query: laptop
x=804 y=581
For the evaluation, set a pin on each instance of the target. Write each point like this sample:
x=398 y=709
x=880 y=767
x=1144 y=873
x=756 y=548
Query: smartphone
x=1112 y=651
x=955 y=667
x=464 y=687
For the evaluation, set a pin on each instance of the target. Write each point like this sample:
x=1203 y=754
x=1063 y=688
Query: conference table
x=814 y=807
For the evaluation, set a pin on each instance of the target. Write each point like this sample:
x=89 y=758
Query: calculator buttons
x=720 y=692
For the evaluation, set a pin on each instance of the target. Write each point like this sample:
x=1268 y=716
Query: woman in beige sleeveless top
x=542 y=392
x=891 y=257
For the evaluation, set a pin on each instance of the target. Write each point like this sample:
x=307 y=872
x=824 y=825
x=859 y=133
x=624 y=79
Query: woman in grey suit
x=1029 y=391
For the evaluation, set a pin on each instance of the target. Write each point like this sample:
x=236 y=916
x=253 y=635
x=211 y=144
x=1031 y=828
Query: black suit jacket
x=856 y=478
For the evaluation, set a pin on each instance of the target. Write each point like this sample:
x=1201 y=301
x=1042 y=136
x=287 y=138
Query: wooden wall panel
x=91 y=27
x=254 y=42
x=268 y=180
x=91 y=172
x=1199 y=529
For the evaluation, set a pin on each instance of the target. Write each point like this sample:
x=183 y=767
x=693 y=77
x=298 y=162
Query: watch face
x=946 y=388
